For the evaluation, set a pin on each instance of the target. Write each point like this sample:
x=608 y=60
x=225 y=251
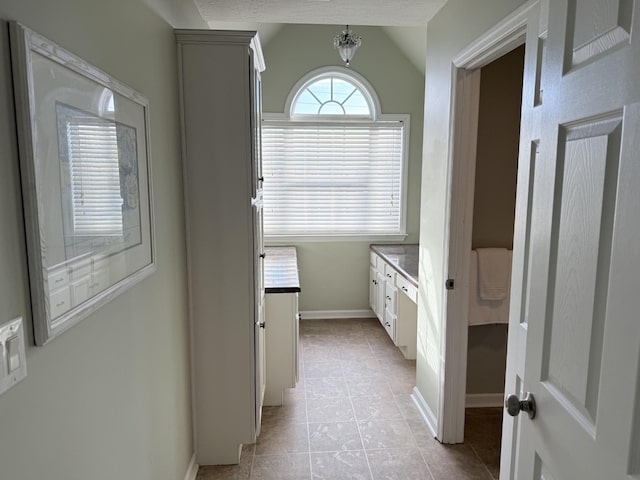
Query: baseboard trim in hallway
x=192 y=469
x=484 y=400
x=427 y=415
x=335 y=314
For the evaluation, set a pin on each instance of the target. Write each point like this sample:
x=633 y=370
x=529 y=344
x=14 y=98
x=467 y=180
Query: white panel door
x=581 y=253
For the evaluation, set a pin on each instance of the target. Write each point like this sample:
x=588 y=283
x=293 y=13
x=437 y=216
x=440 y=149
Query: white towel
x=494 y=273
x=485 y=312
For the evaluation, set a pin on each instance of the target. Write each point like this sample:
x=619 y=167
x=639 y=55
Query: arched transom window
x=332 y=94
x=333 y=165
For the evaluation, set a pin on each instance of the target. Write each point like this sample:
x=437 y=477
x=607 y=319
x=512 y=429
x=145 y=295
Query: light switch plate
x=13 y=361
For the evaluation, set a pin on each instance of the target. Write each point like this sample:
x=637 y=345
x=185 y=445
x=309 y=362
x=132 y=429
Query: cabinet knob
x=262 y=255
x=261 y=324
x=261 y=179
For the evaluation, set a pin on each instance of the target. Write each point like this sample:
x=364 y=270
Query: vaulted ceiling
x=403 y=20
x=356 y=12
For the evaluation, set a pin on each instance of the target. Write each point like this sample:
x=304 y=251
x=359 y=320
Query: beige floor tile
x=408 y=407
x=361 y=367
x=248 y=449
x=318 y=388
x=342 y=363
x=377 y=434
x=350 y=465
x=330 y=410
x=241 y=471
x=360 y=351
x=315 y=327
x=401 y=385
x=421 y=433
x=319 y=353
x=398 y=464
x=281 y=438
x=293 y=411
x=282 y=467
x=454 y=462
x=375 y=386
x=376 y=408
x=329 y=437
x=315 y=369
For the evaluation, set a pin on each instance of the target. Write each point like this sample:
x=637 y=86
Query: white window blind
x=95 y=176
x=333 y=178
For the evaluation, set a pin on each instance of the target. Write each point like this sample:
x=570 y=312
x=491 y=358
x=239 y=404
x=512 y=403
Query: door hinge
x=449 y=283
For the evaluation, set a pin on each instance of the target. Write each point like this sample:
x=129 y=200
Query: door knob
x=514 y=405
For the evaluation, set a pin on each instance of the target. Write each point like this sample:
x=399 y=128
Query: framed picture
x=86 y=182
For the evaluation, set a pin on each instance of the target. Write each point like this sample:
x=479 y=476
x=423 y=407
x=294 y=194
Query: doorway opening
x=493 y=218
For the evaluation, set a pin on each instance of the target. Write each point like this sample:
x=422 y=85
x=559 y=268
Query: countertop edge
x=282 y=290
x=399 y=269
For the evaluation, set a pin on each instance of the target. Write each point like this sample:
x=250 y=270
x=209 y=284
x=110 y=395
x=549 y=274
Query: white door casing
x=522 y=26
x=578 y=252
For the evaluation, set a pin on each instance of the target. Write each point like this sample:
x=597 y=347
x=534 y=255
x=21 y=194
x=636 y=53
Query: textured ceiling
x=334 y=12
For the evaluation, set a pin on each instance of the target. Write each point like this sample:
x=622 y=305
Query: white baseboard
x=335 y=314
x=192 y=469
x=427 y=415
x=484 y=400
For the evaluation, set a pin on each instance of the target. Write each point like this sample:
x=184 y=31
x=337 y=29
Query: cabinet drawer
x=390 y=297
x=389 y=273
x=99 y=281
x=80 y=270
x=58 y=277
x=374 y=259
x=100 y=263
x=59 y=302
x=407 y=287
x=80 y=290
x=389 y=324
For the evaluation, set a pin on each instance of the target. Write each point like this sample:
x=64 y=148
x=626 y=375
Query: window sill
x=273 y=239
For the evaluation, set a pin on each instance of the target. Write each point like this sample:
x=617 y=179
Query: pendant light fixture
x=347 y=43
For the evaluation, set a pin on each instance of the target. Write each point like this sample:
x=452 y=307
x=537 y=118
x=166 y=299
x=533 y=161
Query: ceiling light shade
x=347 y=43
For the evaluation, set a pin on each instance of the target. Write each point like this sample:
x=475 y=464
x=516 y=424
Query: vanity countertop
x=281 y=270
x=403 y=257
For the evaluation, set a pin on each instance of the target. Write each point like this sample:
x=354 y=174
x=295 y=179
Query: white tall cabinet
x=220 y=105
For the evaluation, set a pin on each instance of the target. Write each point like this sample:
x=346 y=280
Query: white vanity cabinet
x=392 y=297
x=382 y=293
x=377 y=288
x=219 y=74
x=407 y=312
x=72 y=283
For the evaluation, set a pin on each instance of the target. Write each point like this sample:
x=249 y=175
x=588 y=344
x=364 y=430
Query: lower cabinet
x=407 y=311
x=394 y=301
x=281 y=349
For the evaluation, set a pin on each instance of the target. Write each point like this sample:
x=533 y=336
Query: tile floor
x=351 y=417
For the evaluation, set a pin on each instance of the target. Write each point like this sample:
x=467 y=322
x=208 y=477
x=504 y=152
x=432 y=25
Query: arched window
x=333 y=165
x=332 y=94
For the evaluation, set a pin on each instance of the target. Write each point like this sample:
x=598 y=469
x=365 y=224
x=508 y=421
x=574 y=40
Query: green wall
x=335 y=275
x=109 y=399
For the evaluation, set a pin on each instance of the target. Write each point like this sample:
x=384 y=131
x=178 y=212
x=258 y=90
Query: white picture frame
x=85 y=165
